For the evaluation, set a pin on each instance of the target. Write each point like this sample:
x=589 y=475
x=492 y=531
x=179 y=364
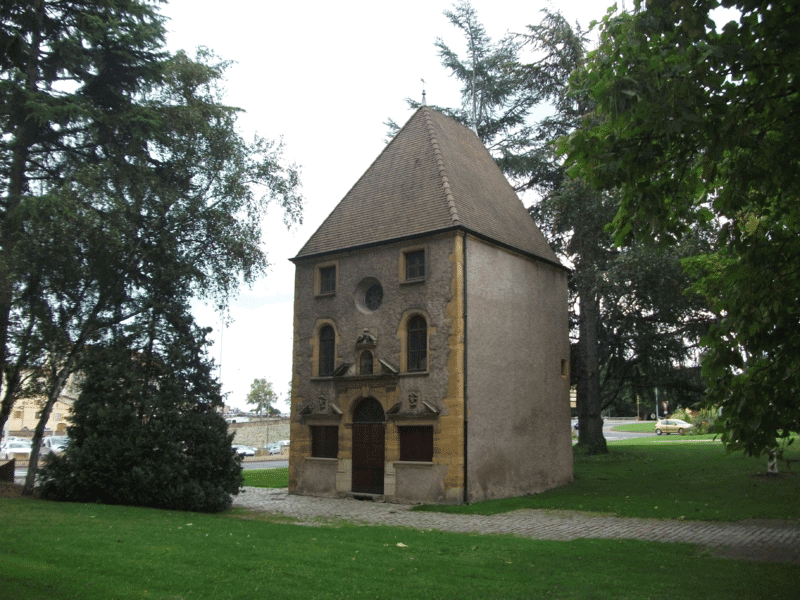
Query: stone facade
x=432 y=366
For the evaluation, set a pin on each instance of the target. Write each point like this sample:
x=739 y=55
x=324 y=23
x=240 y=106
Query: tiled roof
x=433 y=176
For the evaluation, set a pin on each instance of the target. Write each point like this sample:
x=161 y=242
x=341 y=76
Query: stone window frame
x=324 y=441
x=403 y=264
x=366 y=364
x=318 y=269
x=316 y=346
x=402 y=334
x=409 y=438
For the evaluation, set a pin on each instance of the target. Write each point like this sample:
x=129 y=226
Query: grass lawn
x=675 y=477
x=689 y=477
x=267 y=478
x=55 y=551
x=644 y=427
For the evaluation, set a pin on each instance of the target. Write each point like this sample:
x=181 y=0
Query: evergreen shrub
x=146 y=433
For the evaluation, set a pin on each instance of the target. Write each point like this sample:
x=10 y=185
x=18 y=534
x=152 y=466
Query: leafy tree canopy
x=262 y=396
x=632 y=329
x=697 y=124
x=123 y=182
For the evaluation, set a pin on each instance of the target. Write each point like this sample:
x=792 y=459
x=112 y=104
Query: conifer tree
x=120 y=168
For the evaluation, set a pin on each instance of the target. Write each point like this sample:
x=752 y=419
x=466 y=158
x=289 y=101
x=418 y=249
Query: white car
x=13 y=448
x=55 y=443
x=243 y=450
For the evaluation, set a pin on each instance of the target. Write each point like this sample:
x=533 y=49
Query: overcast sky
x=325 y=76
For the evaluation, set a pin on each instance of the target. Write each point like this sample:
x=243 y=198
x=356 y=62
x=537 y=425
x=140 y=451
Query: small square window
x=415 y=265
x=327 y=280
x=324 y=441
x=416 y=443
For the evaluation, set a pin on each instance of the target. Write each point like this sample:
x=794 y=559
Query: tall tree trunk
x=590 y=424
x=22 y=140
x=57 y=381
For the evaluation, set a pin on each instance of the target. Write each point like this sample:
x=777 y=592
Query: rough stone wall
x=345 y=311
x=259 y=433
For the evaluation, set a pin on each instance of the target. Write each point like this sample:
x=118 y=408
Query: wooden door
x=369 y=445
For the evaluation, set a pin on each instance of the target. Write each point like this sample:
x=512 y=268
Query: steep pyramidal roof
x=434 y=176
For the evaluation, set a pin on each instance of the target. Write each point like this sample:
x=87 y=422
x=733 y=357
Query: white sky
x=324 y=75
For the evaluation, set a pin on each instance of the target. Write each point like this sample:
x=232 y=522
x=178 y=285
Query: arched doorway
x=369 y=441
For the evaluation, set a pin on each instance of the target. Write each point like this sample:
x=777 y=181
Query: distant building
x=25 y=414
x=431 y=351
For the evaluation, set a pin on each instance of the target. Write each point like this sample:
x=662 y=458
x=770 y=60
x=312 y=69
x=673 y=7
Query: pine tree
x=121 y=168
x=146 y=429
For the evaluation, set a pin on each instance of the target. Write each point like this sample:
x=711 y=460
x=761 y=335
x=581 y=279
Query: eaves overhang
x=360 y=247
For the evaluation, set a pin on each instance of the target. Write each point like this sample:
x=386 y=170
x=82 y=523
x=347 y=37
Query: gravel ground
x=775 y=541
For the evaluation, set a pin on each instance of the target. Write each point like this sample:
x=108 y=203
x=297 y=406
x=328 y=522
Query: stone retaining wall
x=260 y=433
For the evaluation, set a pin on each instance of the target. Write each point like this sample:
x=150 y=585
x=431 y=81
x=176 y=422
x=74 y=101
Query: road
x=610 y=435
x=264 y=464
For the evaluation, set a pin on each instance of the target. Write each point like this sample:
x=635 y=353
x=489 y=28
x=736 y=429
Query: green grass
x=646 y=427
x=55 y=551
x=267 y=478
x=674 y=478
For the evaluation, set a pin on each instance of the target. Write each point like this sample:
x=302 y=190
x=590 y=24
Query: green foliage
x=123 y=182
x=704 y=420
x=496 y=100
x=261 y=395
x=722 y=152
x=145 y=430
x=635 y=330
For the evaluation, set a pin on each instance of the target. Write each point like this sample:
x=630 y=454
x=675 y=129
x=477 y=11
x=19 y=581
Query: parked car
x=274 y=448
x=672 y=426
x=55 y=443
x=10 y=449
x=243 y=450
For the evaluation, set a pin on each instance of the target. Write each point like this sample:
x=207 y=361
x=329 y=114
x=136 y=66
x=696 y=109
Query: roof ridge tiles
x=451 y=203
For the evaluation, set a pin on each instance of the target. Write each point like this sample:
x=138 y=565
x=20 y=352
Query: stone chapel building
x=431 y=351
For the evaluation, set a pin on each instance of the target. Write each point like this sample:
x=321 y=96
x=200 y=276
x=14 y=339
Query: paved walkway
x=776 y=541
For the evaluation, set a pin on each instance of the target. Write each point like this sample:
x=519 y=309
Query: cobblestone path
x=777 y=541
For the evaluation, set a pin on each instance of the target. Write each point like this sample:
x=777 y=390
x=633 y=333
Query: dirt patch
x=13 y=490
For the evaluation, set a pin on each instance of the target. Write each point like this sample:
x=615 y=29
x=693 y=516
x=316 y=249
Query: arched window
x=327 y=350
x=365 y=363
x=417 y=344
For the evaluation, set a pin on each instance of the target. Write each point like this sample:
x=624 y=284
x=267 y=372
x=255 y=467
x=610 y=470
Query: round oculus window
x=373 y=296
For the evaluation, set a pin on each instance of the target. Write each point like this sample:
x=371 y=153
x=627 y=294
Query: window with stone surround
x=416 y=443
x=417 y=344
x=327 y=350
x=327 y=280
x=325 y=441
